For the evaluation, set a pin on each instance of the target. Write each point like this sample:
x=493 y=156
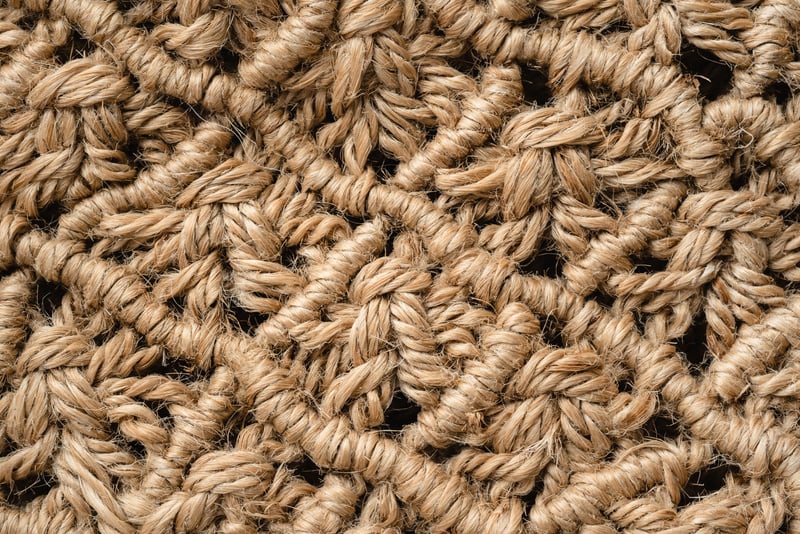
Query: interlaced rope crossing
x=386 y=266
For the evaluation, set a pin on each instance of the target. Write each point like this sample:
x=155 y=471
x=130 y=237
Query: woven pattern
x=399 y=266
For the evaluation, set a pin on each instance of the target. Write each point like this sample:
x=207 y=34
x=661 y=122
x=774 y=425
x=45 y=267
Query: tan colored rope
x=386 y=266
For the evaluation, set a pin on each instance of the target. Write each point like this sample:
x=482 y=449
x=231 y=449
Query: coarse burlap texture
x=394 y=266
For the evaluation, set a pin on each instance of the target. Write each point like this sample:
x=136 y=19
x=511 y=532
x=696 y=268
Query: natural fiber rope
x=399 y=266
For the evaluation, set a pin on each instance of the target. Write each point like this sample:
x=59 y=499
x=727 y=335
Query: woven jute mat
x=395 y=266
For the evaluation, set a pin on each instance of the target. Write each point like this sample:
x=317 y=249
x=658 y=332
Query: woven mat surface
x=394 y=266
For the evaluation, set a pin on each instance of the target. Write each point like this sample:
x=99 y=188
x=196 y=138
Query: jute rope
x=384 y=266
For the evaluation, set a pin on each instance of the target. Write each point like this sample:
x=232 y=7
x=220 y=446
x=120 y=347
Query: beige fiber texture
x=399 y=266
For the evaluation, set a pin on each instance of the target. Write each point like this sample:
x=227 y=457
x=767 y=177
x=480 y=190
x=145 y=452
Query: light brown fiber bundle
x=397 y=266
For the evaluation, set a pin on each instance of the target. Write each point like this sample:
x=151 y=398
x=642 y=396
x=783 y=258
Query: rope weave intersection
x=393 y=266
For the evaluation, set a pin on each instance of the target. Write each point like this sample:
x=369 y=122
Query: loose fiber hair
x=388 y=266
